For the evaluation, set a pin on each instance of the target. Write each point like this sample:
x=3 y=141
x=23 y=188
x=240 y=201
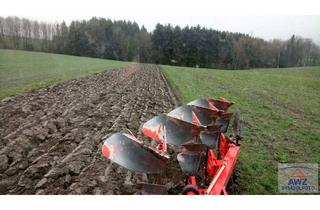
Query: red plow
x=207 y=157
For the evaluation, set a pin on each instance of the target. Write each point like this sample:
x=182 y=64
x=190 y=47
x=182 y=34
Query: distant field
x=281 y=113
x=22 y=71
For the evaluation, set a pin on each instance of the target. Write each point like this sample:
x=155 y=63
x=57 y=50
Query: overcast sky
x=267 y=19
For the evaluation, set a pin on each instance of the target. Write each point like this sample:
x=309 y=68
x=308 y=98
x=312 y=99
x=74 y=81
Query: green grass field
x=280 y=109
x=22 y=71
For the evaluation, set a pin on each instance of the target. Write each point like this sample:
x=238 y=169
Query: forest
x=192 y=46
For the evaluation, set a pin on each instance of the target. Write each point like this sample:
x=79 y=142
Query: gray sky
x=267 y=19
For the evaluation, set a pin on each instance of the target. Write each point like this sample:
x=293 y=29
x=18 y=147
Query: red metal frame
x=159 y=137
x=219 y=170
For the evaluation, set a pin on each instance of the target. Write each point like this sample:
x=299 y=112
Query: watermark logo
x=298 y=178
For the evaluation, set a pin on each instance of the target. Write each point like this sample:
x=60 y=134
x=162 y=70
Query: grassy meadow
x=280 y=110
x=23 y=71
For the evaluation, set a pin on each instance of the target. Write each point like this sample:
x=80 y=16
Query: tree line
x=166 y=44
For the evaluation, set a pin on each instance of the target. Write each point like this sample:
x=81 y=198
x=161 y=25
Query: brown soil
x=50 y=139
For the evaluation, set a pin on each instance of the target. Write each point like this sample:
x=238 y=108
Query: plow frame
x=207 y=157
x=219 y=170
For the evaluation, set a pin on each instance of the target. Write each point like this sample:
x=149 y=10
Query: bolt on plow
x=206 y=155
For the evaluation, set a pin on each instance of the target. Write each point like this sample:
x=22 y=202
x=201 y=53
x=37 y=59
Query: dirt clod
x=3 y=162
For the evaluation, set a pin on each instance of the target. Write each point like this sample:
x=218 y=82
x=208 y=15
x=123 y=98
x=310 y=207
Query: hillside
x=22 y=71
